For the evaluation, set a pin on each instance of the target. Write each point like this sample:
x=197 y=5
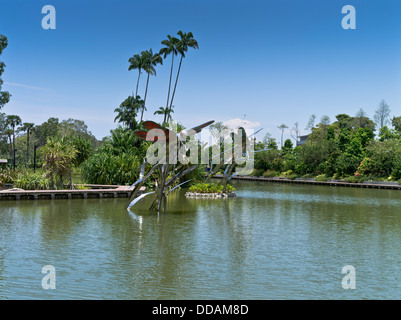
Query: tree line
x=67 y=145
x=354 y=148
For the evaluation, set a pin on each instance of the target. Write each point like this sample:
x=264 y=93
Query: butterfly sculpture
x=164 y=184
x=151 y=125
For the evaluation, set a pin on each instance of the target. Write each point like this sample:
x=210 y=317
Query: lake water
x=273 y=241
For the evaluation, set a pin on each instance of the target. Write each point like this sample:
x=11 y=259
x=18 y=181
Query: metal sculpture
x=236 y=149
x=169 y=173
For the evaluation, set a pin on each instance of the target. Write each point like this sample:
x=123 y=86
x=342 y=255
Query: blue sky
x=268 y=62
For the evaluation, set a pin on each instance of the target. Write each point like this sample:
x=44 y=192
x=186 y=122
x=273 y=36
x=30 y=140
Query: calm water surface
x=274 y=241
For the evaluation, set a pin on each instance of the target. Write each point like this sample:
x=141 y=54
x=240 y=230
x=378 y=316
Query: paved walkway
x=96 y=191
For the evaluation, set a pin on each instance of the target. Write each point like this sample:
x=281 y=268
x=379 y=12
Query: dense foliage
x=117 y=161
x=4 y=95
x=210 y=188
x=343 y=149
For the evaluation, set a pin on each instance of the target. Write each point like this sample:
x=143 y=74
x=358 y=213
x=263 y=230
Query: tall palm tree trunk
x=13 y=145
x=175 y=85
x=137 y=83
x=144 y=99
x=169 y=84
x=10 y=145
x=27 y=146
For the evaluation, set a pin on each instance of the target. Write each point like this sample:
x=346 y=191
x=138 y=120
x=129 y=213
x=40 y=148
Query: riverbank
x=93 y=191
x=340 y=183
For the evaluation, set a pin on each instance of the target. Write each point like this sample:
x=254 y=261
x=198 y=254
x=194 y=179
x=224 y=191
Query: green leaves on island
x=210 y=188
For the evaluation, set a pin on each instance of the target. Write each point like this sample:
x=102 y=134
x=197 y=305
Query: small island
x=210 y=190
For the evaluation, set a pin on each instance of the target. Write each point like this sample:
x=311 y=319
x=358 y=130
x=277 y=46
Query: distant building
x=302 y=140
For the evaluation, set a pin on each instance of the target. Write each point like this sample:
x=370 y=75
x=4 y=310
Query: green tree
x=13 y=121
x=150 y=61
x=385 y=133
x=186 y=41
x=83 y=149
x=4 y=146
x=117 y=161
x=361 y=120
x=287 y=147
x=58 y=159
x=9 y=133
x=344 y=121
x=4 y=95
x=137 y=61
x=269 y=142
x=49 y=128
x=170 y=47
x=396 y=122
x=330 y=134
x=166 y=112
x=27 y=127
x=128 y=110
x=385 y=154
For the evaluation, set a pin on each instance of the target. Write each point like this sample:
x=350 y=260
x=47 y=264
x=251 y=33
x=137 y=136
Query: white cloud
x=237 y=122
x=26 y=86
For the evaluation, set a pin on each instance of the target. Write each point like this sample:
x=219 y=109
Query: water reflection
x=274 y=241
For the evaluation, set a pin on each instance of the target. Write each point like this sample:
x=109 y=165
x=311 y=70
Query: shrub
x=257 y=172
x=367 y=166
x=347 y=164
x=321 y=177
x=336 y=176
x=109 y=168
x=354 y=179
x=80 y=187
x=210 y=188
x=288 y=174
x=58 y=159
x=7 y=176
x=31 y=181
x=271 y=173
x=396 y=173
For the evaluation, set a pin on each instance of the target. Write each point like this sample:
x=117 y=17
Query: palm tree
x=166 y=112
x=136 y=62
x=282 y=127
x=151 y=60
x=169 y=112
x=58 y=158
x=128 y=110
x=13 y=121
x=28 y=127
x=9 y=133
x=187 y=41
x=170 y=48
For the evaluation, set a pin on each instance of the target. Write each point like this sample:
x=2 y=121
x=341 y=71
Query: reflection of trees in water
x=154 y=250
x=2 y=293
x=228 y=228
